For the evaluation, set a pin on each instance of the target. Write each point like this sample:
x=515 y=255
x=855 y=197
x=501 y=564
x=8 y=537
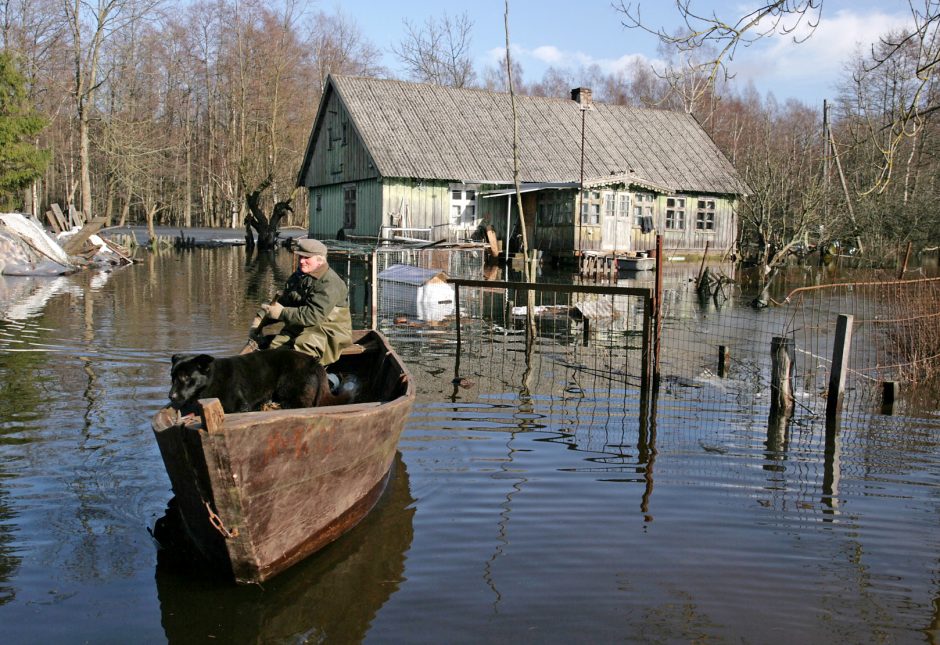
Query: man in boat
x=314 y=307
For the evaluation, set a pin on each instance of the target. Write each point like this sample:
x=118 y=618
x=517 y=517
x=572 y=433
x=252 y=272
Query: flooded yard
x=543 y=499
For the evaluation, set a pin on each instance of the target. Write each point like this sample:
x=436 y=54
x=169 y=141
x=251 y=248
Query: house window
x=329 y=137
x=675 y=213
x=623 y=207
x=642 y=206
x=590 y=207
x=318 y=201
x=610 y=205
x=463 y=207
x=349 y=207
x=705 y=215
x=345 y=127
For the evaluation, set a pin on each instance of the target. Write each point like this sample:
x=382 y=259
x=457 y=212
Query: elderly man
x=314 y=307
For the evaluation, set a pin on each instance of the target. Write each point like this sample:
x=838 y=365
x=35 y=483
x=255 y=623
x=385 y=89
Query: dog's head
x=189 y=374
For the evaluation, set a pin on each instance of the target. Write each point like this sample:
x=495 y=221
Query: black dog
x=243 y=383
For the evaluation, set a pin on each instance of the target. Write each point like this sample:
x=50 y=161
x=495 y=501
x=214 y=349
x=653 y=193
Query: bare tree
x=781 y=163
x=726 y=35
x=787 y=17
x=496 y=77
x=438 y=51
x=90 y=25
x=337 y=46
x=555 y=82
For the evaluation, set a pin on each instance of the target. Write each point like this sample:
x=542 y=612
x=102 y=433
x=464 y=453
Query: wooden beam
x=212 y=415
x=781 y=375
x=74 y=244
x=60 y=217
x=840 y=364
x=53 y=222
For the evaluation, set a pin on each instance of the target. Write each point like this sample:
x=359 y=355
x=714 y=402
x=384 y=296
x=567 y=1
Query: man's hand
x=255 y=330
x=274 y=310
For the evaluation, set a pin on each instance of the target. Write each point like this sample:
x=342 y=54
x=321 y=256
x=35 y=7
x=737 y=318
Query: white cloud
x=549 y=54
x=784 y=62
x=536 y=59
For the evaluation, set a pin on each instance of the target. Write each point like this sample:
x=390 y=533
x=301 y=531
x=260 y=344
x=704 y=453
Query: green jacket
x=318 y=305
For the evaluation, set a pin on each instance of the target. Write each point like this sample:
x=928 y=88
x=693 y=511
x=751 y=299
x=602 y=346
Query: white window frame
x=464 y=206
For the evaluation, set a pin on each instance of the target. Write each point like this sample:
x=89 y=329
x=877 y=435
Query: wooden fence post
x=889 y=394
x=457 y=313
x=907 y=257
x=840 y=355
x=781 y=373
x=722 y=361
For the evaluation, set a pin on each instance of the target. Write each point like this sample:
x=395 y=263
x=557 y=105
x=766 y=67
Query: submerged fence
x=894 y=329
x=712 y=343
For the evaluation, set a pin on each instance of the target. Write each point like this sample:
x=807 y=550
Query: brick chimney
x=582 y=95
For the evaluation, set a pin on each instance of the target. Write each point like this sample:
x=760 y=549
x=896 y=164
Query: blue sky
x=581 y=32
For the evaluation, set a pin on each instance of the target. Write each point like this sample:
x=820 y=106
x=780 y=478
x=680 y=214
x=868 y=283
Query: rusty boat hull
x=257 y=492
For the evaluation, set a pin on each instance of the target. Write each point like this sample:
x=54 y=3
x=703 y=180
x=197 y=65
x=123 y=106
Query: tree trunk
x=265 y=227
x=151 y=232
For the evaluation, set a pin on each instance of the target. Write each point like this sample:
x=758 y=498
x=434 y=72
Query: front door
x=616 y=226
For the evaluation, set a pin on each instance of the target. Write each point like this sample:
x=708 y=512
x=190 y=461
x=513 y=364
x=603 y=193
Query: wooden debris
x=74 y=244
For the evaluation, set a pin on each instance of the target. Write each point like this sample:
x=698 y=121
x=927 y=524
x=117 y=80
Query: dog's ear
x=203 y=362
x=176 y=358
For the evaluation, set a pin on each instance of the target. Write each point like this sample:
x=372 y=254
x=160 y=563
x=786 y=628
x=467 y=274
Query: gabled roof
x=427 y=131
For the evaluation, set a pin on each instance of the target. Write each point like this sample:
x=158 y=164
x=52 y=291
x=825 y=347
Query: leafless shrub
x=914 y=339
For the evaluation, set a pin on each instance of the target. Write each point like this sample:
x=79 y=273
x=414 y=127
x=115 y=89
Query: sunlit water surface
x=517 y=512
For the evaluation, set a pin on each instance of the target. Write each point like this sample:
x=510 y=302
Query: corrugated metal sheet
x=434 y=132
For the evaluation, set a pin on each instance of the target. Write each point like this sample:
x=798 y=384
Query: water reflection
x=9 y=561
x=262 y=269
x=332 y=597
x=535 y=482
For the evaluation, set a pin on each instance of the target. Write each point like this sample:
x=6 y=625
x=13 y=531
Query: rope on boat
x=216 y=521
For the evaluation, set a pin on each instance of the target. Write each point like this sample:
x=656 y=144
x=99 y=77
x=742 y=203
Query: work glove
x=273 y=310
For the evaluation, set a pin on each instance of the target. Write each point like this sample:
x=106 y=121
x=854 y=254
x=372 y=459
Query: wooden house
x=431 y=162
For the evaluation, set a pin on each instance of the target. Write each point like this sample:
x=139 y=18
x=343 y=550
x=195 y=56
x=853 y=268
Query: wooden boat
x=259 y=491
x=334 y=595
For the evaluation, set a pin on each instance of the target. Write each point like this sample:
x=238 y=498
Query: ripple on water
x=563 y=511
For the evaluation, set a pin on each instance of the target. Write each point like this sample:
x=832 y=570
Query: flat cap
x=309 y=246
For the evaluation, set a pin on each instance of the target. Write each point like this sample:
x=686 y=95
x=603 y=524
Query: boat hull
x=260 y=491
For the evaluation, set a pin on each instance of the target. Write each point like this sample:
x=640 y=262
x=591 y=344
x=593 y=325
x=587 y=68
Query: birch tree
x=90 y=24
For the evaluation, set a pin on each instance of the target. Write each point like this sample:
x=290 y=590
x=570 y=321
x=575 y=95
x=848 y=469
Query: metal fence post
x=374 y=293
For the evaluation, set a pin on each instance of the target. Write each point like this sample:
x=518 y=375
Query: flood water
x=533 y=506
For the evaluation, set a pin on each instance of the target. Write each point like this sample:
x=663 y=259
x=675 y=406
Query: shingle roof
x=435 y=132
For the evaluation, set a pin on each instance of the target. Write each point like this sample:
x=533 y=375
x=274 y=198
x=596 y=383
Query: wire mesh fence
x=895 y=332
x=714 y=349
